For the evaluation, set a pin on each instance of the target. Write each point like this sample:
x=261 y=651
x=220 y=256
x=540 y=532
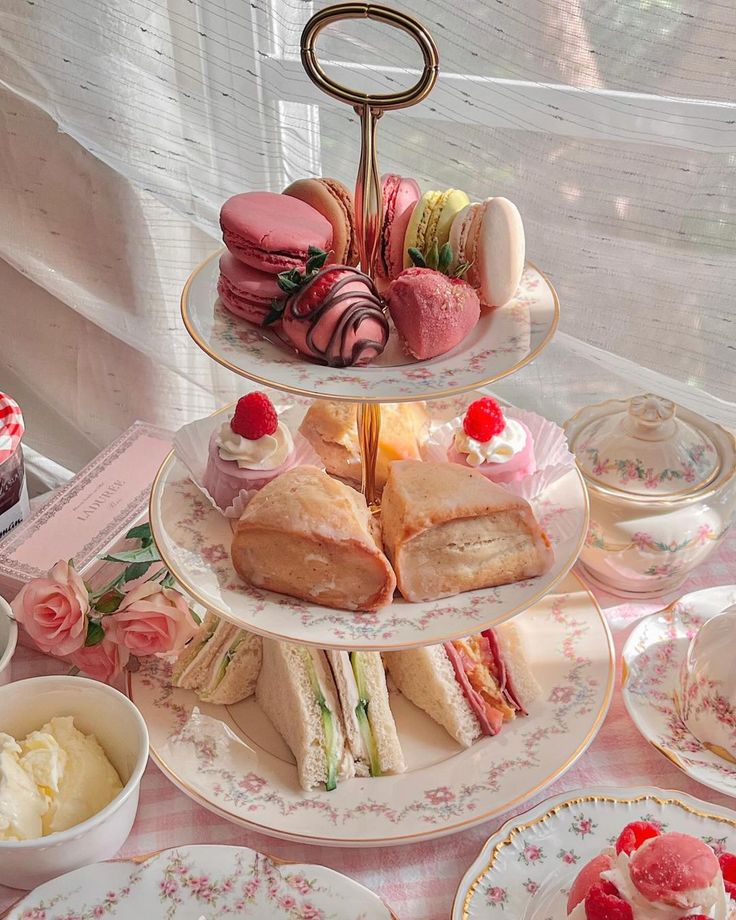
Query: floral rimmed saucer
x=194 y=541
x=201 y=883
x=525 y=870
x=504 y=340
x=231 y=759
x=652 y=657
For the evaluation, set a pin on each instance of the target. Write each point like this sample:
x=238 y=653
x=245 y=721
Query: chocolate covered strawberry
x=432 y=310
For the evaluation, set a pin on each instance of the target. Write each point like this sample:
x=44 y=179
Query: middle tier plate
x=194 y=541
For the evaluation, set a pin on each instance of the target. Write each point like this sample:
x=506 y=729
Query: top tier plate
x=505 y=339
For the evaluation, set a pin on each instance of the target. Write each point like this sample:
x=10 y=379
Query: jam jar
x=14 y=505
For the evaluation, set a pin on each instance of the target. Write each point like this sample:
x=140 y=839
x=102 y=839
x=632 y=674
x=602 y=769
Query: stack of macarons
x=266 y=234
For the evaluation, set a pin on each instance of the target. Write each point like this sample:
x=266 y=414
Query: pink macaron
x=245 y=291
x=272 y=233
x=400 y=194
x=489 y=236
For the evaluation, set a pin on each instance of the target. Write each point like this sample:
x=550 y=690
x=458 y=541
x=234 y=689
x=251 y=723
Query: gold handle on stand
x=368 y=200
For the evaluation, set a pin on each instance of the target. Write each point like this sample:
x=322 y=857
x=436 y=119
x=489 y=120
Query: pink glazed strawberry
x=432 y=311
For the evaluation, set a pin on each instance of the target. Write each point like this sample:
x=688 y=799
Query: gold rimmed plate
x=194 y=541
x=525 y=870
x=504 y=340
x=231 y=759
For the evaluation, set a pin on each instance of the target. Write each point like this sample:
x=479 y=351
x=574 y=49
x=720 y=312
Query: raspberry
x=483 y=419
x=254 y=417
x=727 y=862
x=634 y=834
x=602 y=902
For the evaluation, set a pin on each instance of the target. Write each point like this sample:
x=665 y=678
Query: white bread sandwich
x=448 y=529
x=332 y=430
x=297 y=692
x=360 y=679
x=469 y=686
x=309 y=536
x=221 y=662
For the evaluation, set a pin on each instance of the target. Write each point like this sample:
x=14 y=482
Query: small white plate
x=202 y=883
x=505 y=339
x=525 y=870
x=8 y=641
x=231 y=759
x=652 y=658
x=194 y=540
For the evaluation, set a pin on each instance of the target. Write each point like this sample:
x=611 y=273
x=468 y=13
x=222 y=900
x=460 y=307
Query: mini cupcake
x=248 y=451
x=501 y=448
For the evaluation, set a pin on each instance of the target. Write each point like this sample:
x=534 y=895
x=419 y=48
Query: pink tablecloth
x=419 y=881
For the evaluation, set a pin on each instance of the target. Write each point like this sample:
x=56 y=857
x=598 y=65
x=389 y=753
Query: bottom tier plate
x=231 y=760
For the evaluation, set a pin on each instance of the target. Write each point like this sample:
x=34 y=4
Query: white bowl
x=26 y=705
x=8 y=640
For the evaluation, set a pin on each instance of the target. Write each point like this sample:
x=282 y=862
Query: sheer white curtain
x=123 y=127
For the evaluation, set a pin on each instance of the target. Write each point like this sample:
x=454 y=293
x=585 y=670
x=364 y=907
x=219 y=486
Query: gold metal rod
x=368 y=199
x=369 y=430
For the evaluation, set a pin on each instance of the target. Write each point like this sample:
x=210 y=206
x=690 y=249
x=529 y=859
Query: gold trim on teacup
x=561 y=806
x=337 y=397
x=477 y=818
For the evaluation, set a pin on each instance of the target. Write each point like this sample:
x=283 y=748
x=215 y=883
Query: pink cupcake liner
x=191 y=446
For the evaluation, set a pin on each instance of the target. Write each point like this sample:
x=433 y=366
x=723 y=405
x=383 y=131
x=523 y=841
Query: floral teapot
x=662 y=485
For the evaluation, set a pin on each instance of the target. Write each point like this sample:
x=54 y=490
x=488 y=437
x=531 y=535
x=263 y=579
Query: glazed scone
x=447 y=529
x=332 y=430
x=309 y=536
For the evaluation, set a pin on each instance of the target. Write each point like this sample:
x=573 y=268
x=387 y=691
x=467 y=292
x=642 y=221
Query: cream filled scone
x=332 y=430
x=500 y=448
x=708 y=685
x=309 y=536
x=248 y=451
x=448 y=529
x=650 y=875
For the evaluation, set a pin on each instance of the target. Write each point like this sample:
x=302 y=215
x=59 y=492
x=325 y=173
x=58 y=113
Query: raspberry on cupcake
x=248 y=451
x=499 y=447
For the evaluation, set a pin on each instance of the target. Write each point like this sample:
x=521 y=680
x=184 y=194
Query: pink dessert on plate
x=650 y=875
x=499 y=447
x=248 y=451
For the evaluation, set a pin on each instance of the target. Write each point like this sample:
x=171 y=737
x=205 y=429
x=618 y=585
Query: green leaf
x=135 y=571
x=416 y=256
x=196 y=617
x=142 y=532
x=95 y=633
x=462 y=269
x=108 y=603
x=317 y=258
x=144 y=554
x=445 y=260
x=275 y=312
x=168 y=581
x=433 y=256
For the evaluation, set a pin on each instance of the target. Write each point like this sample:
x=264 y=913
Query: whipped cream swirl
x=264 y=453
x=499 y=449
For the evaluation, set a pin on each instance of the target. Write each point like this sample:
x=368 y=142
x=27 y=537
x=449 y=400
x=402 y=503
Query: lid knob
x=650 y=418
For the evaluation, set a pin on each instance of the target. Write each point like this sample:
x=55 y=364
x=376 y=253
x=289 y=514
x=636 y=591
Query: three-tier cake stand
x=252 y=781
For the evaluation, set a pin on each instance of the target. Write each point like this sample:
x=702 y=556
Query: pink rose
x=151 y=619
x=103 y=661
x=54 y=610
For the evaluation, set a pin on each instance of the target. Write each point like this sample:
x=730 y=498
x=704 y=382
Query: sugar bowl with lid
x=662 y=486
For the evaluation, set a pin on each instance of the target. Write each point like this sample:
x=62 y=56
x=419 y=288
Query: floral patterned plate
x=232 y=761
x=505 y=339
x=194 y=540
x=652 y=658
x=525 y=870
x=201 y=883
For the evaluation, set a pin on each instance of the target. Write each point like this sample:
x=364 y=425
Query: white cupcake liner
x=191 y=446
x=552 y=456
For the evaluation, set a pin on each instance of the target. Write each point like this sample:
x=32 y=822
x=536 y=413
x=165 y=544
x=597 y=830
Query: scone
x=332 y=430
x=448 y=529
x=311 y=537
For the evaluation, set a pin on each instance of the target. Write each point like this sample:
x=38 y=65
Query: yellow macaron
x=432 y=219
